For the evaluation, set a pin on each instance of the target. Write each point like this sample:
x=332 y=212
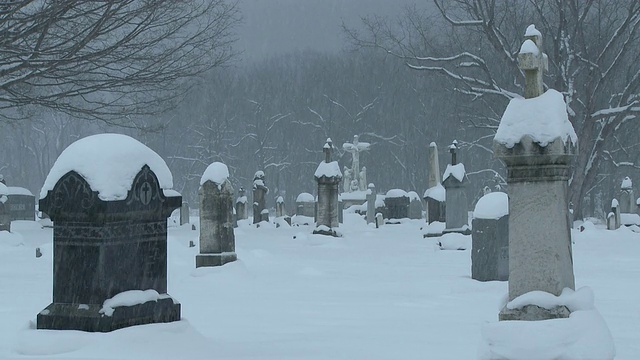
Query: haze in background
x=272 y=27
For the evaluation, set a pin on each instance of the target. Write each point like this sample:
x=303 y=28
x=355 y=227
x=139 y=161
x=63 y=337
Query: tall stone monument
x=260 y=191
x=109 y=197
x=371 y=204
x=455 y=182
x=217 y=240
x=328 y=176
x=435 y=194
x=356 y=177
x=627 y=200
x=536 y=141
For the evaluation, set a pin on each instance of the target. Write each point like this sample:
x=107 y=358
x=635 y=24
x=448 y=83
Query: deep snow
x=384 y=293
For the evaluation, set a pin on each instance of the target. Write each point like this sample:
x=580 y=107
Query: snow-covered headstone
x=241 y=205
x=490 y=238
x=536 y=141
x=217 y=240
x=613 y=218
x=627 y=203
x=20 y=204
x=260 y=191
x=455 y=181
x=306 y=205
x=396 y=203
x=109 y=197
x=280 y=210
x=371 y=203
x=328 y=176
x=415 y=205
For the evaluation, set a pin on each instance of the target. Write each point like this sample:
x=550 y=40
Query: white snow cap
x=438 y=193
x=305 y=197
x=532 y=31
x=108 y=162
x=456 y=170
x=15 y=190
x=331 y=169
x=396 y=193
x=529 y=47
x=543 y=118
x=432 y=144
x=614 y=203
x=626 y=183
x=216 y=172
x=492 y=206
x=413 y=195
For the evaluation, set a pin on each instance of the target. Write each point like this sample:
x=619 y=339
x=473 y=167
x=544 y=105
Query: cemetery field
x=373 y=294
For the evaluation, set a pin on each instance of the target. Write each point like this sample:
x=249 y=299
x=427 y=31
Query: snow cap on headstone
x=109 y=163
x=626 y=183
x=216 y=172
x=493 y=205
x=543 y=118
x=305 y=197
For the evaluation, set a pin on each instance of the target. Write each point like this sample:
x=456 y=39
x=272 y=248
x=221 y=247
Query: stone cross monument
x=356 y=174
x=537 y=155
x=328 y=176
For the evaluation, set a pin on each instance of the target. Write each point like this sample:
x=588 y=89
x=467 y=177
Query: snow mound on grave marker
x=457 y=171
x=438 y=193
x=626 y=183
x=305 y=197
x=492 y=206
x=543 y=118
x=396 y=193
x=328 y=170
x=129 y=298
x=108 y=162
x=216 y=172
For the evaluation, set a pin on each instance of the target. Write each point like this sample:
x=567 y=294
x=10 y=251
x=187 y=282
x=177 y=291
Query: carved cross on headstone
x=533 y=61
x=145 y=197
x=327 y=151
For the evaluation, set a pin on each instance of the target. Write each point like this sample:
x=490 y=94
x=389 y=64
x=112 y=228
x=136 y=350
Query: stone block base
x=463 y=231
x=533 y=313
x=86 y=317
x=326 y=232
x=209 y=260
x=431 y=235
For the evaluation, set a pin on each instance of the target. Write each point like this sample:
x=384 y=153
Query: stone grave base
x=533 y=313
x=87 y=317
x=209 y=260
x=464 y=231
x=329 y=232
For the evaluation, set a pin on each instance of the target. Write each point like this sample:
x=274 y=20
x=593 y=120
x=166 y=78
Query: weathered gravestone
x=613 y=218
x=241 y=205
x=434 y=196
x=306 y=205
x=455 y=183
x=217 y=240
x=109 y=198
x=280 y=210
x=415 y=205
x=5 y=218
x=536 y=141
x=21 y=204
x=184 y=213
x=328 y=176
x=490 y=238
x=627 y=203
x=371 y=204
x=260 y=191
x=396 y=202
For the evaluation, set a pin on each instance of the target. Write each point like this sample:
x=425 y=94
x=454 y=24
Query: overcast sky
x=271 y=27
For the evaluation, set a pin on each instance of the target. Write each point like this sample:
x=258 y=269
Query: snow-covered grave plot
x=384 y=293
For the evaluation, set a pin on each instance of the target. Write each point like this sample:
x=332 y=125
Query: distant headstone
x=109 y=235
x=217 y=240
x=260 y=190
x=455 y=183
x=340 y=210
x=280 y=211
x=371 y=204
x=21 y=204
x=5 y=218
x=397 y=205
x=490 y=238
x=627 y=200
x=306 y=205
x=379 y=220
x=415 y=205
x=328 y=177
x=434 y=196
x=613 y=218
x=184 y=213
x=241 y=205
x=536 y=141
x=38 y=252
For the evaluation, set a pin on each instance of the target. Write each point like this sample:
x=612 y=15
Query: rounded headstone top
x=216 y=172
x=305 y=197
x=492 y=206
x=413 y=195
x=396 y=193
x=626 y=183
x=109 y=163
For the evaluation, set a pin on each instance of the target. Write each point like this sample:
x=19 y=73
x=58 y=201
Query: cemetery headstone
x=434 y=196
x=415 y=205
x=260 y=191
x=397 y=205
x=241 y=205
x=613 y=218
x=20 y=204
x=109 y=236
x=379 y=220
x=627 y=203
x=328 y=176
x=306 y=205
x=280 y=211
x=490 y=238
x=5 y=218
x=455 y=183
x=217 y=240
x=536 y=141
x=371 y=204
x=184 y=213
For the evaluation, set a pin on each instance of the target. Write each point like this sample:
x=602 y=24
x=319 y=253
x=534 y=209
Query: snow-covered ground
x=383 y=293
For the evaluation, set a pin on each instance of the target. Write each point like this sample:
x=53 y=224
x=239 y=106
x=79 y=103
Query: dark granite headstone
x=184 y=213
x=328 y=177
x=21 y=204
x=490 y=249
x=103 y=248
x=260 y=190
x=241 y=205
x=217 y=240
x=397 y=204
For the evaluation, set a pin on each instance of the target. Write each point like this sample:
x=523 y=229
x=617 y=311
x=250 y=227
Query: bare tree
x=592 y=49
x=108 y=60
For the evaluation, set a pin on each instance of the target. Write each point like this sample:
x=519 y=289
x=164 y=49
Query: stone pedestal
x=457 y=216
x=21 y=204
x=241 y=205
x=260 y=212
x=280 y=211
x=371 y=204
x=540 y=257
x=328 y=177
x=217 y=240
x=397 y=205
x=102 y=248
x=415 y=207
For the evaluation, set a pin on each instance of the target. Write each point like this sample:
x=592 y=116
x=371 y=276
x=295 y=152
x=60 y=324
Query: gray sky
x=271 y=27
